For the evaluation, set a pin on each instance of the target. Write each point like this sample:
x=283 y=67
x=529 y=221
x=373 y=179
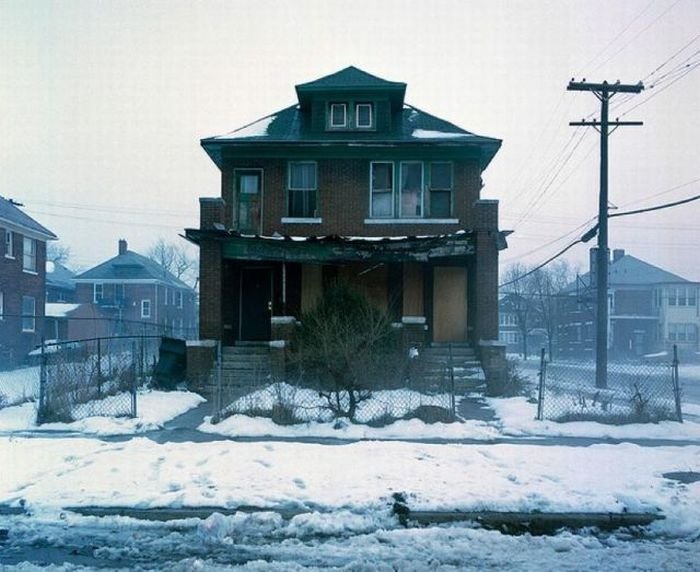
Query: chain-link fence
x=95 y=377
x=636 y=392
x=419 y=389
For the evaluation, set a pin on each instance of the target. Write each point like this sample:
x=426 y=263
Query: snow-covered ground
x=347 y=491
x=153 y=409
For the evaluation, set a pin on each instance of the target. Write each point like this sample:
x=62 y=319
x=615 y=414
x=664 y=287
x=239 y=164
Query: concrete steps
x=437 y=360
x=247 y=364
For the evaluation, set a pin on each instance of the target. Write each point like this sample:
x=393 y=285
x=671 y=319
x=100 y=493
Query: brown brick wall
x=210 y=292
x=343 y=199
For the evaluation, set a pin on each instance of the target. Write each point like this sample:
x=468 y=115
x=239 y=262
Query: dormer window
x=339 y=115
x=363 y=115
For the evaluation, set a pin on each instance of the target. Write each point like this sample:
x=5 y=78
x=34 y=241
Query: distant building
x=131 y=294
x=650 y=310
x=59 y=283
x=22 y=282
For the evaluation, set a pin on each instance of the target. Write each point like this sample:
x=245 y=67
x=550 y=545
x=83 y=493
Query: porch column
x=210 y=271
x=486 y=271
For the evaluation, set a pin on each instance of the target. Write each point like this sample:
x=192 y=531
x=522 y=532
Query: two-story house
x=650 y=310
x=131 y=294
x=350 y=183
x=22 y=281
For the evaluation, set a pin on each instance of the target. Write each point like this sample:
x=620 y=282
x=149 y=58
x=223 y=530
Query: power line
x=657 y=207
x=536 y=268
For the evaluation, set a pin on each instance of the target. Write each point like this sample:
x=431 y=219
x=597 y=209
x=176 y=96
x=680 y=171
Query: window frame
x=331 y=107
x=291 y=189
x=435 y=189
x=178 y=298
x=2 y=305
x=399 y=193
x=29 y=255
x=370 y=107
x=391 y=192
x=95 y=297
x=9 y=244
x=28 y=318
x=146 y=304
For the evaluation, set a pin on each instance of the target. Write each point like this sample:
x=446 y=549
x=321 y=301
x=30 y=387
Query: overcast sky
x=103 y=104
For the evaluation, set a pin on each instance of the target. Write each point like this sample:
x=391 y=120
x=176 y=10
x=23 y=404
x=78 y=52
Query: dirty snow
x=430 y=134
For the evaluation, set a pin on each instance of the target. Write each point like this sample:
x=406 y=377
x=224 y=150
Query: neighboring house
x=350 y=183
x=59 y=283
x=22 y=282
x=515 y=318
x=130 y=294
x=650 y=310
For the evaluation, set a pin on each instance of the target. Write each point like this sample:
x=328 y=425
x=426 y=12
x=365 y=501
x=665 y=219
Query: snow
x=19 y=385
x=59 y=309
x=430 y=134
x=153 y=409
x=357 y=477
x=256 y=129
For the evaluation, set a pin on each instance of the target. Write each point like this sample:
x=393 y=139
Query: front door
x=449 y=304
x=255 y=304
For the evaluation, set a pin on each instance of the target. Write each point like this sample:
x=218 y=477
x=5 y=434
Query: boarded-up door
x=449 y=304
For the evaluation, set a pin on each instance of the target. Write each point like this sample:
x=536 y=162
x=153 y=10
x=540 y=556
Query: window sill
x=301 y=220
x=411 y=221
x=9 y=256
x=32 y=272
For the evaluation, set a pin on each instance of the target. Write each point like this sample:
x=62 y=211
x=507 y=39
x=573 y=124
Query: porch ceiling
x=334 y=248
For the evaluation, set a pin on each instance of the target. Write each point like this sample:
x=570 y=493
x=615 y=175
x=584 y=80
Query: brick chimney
x=122 y=246
x=618 y=253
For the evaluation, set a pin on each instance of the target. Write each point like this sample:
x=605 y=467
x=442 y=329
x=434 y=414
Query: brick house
x=350 y=183
x=131 y=294
x=650 y=310
x=22 y=282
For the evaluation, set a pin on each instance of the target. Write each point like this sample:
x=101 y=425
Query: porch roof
x=334 y=248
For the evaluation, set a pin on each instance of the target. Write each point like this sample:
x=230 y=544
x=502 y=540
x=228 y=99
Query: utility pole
x=604 y=92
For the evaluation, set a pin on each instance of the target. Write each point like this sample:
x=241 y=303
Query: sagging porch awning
x=333 y=248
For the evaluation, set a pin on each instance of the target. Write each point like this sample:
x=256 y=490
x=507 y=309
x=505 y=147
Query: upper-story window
x=440 y=189
x=9 y=243
x=302 y=189
x=178 y=299
x=28 y=313
x=382 y=189
x=363 y=115
x=145 y=308
x=29 y=255
x=411 y=204
x=97 y=293
x=339 y=115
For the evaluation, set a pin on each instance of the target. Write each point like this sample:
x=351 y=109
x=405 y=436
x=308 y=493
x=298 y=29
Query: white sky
x=102 y=105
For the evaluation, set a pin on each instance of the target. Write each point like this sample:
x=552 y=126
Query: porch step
x=247 y=364
x=435 y=362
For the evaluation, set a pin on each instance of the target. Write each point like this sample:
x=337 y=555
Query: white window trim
x=357 y=115
x=146 y=303
x=2 y=305
x=313 y=189
x=237 y=195
x=180 y=298
x=32 y=241
x=301 y=220
x=95 y=299
x=9 y=241
x=344 y=107
x=422 y=187
x=377 y=218
x=32 y=317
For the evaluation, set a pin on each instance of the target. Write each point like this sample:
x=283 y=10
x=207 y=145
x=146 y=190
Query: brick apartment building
x=22 y=282
x=350 y=183
x=130 y=294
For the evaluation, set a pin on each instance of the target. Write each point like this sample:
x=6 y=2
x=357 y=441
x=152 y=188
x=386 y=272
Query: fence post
x=676 y=384
x=134 y=379
x=41 y=413
x=99 y=367
x=452 y=383
x=540 y=392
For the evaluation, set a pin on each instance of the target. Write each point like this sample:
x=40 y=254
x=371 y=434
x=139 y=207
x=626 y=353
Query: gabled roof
x=58 y=276
x=631 y=271
x=350 y=77
x=11 y=215
x=130 y=266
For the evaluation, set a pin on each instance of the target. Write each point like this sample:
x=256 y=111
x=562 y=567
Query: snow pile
x=19 y=385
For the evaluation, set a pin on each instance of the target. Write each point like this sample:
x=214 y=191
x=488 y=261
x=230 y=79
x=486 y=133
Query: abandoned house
x=351 y=183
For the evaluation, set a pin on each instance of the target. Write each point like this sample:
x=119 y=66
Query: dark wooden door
x=256 y=304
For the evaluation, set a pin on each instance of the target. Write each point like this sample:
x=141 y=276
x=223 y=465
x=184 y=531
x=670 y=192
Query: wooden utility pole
x=604 y=92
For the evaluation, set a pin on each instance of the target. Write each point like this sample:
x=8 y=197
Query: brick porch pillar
x=210 y=271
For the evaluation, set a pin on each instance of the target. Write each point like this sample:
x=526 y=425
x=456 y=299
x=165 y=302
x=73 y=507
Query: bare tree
x=57 y=252
x=547 y=284
x=520 y=291
x=175 y=259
